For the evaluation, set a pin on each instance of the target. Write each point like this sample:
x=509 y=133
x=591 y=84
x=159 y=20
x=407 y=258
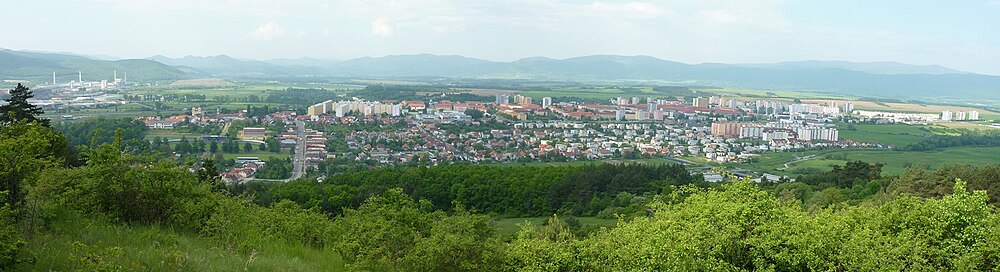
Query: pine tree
x=210 y=174
x=18 y=108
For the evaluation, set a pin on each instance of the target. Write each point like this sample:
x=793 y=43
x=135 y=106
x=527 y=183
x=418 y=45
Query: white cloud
x=381 y=27
x=267 y=31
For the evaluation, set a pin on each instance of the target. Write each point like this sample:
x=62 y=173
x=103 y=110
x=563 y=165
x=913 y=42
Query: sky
x=958 y=34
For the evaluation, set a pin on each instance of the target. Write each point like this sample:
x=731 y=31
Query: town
x=514 y=129
x=502 y=128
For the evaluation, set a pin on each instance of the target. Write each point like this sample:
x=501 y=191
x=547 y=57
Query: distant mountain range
x=877 y=79
x=874 y=79
x=38 y=67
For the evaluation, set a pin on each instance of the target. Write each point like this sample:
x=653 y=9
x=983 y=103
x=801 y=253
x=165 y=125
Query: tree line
x=984 y=138
x=509 y=191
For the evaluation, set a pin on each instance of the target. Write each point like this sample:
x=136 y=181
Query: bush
x=10 y=238
x=744 y=228
x=247 y=227
x=124 y=188
x=392 y=232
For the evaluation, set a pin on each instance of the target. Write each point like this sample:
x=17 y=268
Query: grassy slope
x=895 y=161
x=898 y=135
x=87 y=245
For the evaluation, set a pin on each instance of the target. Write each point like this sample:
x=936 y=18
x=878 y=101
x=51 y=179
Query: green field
x=898 y=135
x=508 y=227
x=122 y=112
x=895 y=162
x=76 y=244
x=592 y=92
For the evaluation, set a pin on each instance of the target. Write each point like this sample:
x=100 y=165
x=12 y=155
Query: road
x=300 y=152
x=799 y=159
x=299 y=158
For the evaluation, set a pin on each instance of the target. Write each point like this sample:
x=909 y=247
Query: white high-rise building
x=546 y=102
x=503 y=99
x=960 y=116
x=973 y=115
x=946 y=115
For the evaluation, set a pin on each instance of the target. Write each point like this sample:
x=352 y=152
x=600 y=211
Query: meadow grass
x=73 y=243
x=898 y=135
x=895 y=162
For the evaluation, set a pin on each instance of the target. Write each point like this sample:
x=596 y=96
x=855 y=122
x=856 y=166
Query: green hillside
x=94 y=245
x=38 y=68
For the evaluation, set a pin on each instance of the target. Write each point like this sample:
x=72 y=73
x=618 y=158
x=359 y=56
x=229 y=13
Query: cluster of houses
x=245 y=168
x=715 y=128
x=316 y=149
x=573 y=140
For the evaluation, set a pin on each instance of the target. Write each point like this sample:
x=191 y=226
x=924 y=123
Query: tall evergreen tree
x=18 y=108
x=210 y=174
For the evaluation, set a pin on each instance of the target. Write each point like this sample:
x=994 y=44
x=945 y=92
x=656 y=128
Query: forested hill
x=38 y=68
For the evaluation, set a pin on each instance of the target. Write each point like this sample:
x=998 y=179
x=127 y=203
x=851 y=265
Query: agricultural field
x=486 y=92
x=895 y=162
x=389 y=82
x=592 y=92
x=898 y=135
x=202 y=83
x=210 y=92
x=774 y=95
x=967 y=125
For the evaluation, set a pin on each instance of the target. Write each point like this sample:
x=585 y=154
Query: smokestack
x=81 y=76
x=116 y=76
x=126 y=77
x=53 y=77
